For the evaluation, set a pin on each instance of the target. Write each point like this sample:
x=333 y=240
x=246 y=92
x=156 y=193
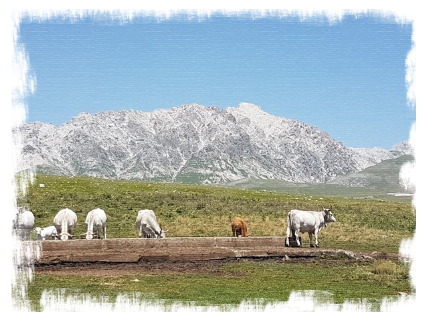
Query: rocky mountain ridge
x=193 y=144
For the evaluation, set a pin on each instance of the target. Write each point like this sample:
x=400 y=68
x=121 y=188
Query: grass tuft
x=387 y=268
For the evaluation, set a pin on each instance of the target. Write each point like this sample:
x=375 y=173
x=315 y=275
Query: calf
x=43 y=233
x=239 y=228
x=148 y=226
x=307 y=221
x=65 y=222
x=23 y=223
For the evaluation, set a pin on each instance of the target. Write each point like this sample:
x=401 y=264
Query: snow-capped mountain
x=192 y=143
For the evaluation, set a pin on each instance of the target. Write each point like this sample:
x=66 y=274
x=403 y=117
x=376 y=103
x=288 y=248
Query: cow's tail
x=287 y=234
x=64 y=229
x=90 y=232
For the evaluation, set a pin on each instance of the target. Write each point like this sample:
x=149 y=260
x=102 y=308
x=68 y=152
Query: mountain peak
x=81 y=117
x=249 y=106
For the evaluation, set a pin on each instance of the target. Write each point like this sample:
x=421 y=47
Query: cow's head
x=65 y=235
x=14 y=212
x=328 y=216
x=38 y=232
x=161 y=234
x=89 y=235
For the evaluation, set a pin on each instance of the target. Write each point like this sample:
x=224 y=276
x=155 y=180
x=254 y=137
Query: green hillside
x=376 y=182
x=382 y=177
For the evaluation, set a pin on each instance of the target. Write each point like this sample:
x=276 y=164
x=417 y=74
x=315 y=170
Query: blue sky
x=346 y=78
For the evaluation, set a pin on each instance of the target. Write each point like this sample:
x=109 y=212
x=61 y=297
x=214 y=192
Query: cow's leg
x=310 y=239
x=316 y=237
x=145 y=234
x=287 y=235
x=296 y=232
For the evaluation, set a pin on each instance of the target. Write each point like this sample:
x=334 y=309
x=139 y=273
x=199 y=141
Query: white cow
x=96 y=222
x=23 y=223
x=65 y=222
x=148 y=226
x=307 y=221
x=43 y=233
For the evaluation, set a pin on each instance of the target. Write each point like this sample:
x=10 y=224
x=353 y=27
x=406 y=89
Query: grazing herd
x=65 y=221
x=96 y=221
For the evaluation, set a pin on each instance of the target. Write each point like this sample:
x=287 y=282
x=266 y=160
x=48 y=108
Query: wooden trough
x=135 y=250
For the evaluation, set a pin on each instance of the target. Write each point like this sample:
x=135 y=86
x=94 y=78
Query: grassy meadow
x=197 y=210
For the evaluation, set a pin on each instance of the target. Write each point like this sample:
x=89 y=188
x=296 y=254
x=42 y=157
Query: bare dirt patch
x=119 y=269
x=149 y=267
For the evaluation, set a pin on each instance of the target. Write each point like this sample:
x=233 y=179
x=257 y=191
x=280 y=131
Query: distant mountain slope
x=412 y=147
x=191 y=144
x=383 y=176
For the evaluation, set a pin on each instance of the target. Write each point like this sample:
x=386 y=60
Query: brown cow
x=239 y=228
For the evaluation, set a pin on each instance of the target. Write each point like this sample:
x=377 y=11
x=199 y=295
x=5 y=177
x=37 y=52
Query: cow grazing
x=148 y=226
x=47 y=232
x=23 y=223
x=239 y=228
x=65 y=222
x=96 y=223
x=307 y=221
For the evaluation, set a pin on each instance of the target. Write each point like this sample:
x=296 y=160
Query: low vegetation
x=232 y=283
x=197 y=210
